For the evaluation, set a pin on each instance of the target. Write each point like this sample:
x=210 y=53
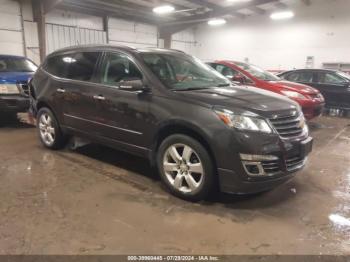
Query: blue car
x=15 y=72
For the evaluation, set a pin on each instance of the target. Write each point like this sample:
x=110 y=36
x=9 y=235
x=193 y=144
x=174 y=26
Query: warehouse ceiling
x=187 y=12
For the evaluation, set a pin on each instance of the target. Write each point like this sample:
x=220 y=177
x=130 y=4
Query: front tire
x=186 y=167
x=49 y=131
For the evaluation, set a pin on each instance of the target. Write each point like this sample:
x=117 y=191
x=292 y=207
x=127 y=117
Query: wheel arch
x=183 y=128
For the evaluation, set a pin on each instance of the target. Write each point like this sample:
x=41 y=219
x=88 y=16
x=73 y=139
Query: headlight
x=292 y=94
x=243 y=121
x=9 y=89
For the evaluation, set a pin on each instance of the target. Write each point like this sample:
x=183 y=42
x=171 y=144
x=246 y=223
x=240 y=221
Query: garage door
x=132 y=34
x=11 y=33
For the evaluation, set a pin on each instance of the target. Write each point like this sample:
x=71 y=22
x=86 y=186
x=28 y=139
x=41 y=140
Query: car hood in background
x=247 y=98
x=300 y=88
x=14 y=77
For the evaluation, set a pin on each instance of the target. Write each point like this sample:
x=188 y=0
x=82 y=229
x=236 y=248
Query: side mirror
x=132 y=84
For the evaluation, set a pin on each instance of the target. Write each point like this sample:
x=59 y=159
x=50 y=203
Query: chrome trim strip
x=94 y=122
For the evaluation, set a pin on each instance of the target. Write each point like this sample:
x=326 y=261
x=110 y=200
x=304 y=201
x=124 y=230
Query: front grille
x=271 y=167
x=294 y=162
x=288 y=126
x=24 y=87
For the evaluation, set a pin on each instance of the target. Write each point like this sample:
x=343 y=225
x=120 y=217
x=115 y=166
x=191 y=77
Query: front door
x=120 y=113
x=334 y=88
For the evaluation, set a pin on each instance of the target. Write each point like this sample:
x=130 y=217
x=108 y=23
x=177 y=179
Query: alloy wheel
x=47 y=130
x=183 y=168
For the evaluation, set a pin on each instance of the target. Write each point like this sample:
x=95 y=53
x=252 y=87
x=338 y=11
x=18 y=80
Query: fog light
x=253 y=168
x=258 y=157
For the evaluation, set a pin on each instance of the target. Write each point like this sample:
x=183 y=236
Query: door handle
x=60 y=90
x=99 y=97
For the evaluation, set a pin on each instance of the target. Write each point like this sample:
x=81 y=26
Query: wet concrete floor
x=99 y=201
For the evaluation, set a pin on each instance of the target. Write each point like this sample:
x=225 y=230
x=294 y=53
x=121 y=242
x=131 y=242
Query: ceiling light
x=217 y=21
x=282 y=15
x=163 y=9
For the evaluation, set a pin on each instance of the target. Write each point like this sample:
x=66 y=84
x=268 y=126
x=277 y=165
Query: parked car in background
x=310 y=99
x=187 y=119
x=334 y=85
x=15 y=72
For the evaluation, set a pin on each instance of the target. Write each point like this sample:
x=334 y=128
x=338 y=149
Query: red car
x=310 y=99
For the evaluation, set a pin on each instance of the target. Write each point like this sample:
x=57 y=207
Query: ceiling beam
x=49 y=5
x=281 y=5
x=306 y=2
x=257 y=10
x=115 y=10
x=217 y=12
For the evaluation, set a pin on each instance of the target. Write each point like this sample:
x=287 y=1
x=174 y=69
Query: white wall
x=321 y=30
x=184 y=41
x=129 y=33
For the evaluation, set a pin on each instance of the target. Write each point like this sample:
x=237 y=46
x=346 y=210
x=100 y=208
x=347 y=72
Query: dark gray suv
x=194 y=125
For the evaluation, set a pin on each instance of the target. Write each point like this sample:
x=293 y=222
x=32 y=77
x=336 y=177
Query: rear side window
x=76 y=66
x=305 y=77
x=56 y=66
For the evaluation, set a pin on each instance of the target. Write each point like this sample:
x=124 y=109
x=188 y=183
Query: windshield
x=14 y=64
x=182 y=72
x=258 y=72
x=345 y=75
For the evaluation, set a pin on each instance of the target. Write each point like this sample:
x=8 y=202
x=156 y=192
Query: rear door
x=77 y=105
x=334 y=88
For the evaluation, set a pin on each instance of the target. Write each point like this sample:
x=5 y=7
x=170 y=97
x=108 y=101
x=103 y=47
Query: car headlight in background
x=9 y=89
x=292 y=94
x=243 y=121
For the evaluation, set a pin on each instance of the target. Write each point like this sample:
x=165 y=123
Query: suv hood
x=256 y=100
x=14 y=77
x=291 y=86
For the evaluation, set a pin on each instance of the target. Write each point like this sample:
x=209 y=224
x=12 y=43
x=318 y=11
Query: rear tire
x=186 y=168
x=49 y=131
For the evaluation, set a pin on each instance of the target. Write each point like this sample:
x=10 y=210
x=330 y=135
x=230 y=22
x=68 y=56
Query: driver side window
x=118 y=68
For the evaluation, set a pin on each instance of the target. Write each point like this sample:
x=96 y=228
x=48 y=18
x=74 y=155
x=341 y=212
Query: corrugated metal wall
x=60 y=36
x=184 y=41
x=65 y=29
x=11 y=32
x=132 y=34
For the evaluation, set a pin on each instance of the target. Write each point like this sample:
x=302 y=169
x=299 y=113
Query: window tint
x=226 y=71
x=16 y=64
x=56 y=66
x=81 y=65
x=231 y=73
x=305 y=77
x=330 y=78
x=292 y=77
x=118 y=68
x=183 y=72
x=76 y=66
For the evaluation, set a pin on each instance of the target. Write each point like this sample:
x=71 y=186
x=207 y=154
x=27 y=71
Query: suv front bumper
x=13 y=103
x=264 y=170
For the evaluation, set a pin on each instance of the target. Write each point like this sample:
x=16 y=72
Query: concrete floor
x=100 y=201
